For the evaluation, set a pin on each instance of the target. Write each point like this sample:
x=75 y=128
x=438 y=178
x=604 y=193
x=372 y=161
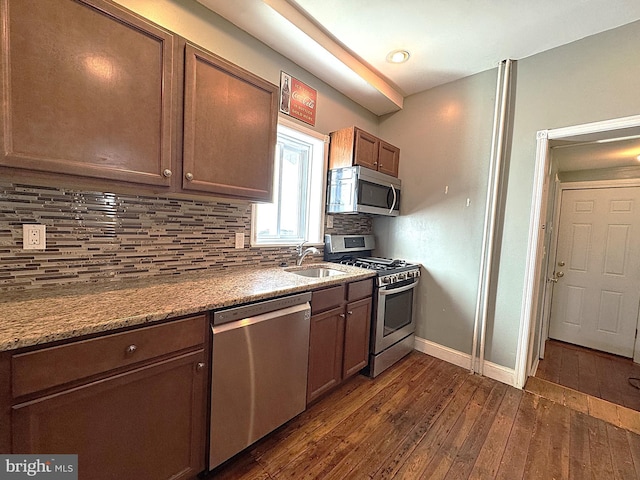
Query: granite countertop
x=35 y=317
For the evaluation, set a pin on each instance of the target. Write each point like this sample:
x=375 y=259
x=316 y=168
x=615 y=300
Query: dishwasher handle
x=255 y=309
x=245 y=322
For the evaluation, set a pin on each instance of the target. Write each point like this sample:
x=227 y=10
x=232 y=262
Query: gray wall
x=445 y=140
x=593 y=79
x=444 y=137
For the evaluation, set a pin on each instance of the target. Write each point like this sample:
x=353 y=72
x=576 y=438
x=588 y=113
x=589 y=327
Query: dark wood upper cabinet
x=88 y=91
x=365 y=151
x=388 y=158
x=96 y=96
x=352 y=146
x=230 y=121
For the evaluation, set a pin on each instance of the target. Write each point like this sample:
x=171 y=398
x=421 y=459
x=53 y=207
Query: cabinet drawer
x=49 y=367
x=327 y=298
x=361 y=289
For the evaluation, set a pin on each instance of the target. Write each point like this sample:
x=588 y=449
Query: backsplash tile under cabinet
x=95 y=237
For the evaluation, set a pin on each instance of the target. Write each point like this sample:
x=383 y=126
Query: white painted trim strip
x=488 y=219
x=491 y=370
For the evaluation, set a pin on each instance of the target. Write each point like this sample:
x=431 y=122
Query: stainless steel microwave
x=362 y=190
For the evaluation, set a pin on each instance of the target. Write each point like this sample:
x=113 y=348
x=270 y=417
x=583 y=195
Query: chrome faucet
x=303 y=253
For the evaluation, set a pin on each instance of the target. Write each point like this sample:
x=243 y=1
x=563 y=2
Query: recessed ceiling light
x=398 y=56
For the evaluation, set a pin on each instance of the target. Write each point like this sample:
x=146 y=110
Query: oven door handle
x=399 y=289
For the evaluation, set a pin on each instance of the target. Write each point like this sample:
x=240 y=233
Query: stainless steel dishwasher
x=259 y=371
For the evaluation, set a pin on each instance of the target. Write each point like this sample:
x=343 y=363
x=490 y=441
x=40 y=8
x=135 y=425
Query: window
x=296 y=214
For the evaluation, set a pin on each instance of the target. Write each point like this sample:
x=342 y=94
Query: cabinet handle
x=188 y=176
x=349 y=312
x=199 y=366
x=375 y=163
x=342 y=315
x=167 y=173
x=131 y=349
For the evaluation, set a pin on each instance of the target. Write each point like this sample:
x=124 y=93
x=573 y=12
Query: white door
x=595 y=300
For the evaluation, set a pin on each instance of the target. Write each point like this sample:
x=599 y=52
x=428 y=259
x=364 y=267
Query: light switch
x=239 y=240
x=329 y=221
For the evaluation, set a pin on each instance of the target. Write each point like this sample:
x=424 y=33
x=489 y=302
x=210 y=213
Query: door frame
x=529 y=314
x=548 y=292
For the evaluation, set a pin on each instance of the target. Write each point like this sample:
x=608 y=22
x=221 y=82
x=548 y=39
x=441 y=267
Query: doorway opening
x=596 y=136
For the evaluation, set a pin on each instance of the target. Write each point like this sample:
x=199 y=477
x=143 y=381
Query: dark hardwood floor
x=427 y=419
x=592 y=372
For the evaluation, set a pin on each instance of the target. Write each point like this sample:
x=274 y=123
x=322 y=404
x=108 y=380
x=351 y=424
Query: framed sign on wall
x=297 y=99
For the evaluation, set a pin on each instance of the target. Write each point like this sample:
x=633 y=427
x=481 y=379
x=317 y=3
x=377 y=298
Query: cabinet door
x=365 y=151
x=356 y=337
x=88 y=91
x=325 y=352
x=230 y=120
x=147 y=423
x=388 y=159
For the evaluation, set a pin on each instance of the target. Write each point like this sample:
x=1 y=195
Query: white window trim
x=319 y=136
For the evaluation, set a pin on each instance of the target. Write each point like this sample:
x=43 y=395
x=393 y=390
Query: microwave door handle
x=399 y=289
x=395 y=198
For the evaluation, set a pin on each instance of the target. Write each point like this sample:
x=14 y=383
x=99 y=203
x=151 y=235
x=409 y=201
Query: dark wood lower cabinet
x=339 y=336
x=325 y=352
x=356 y=337
x=146 y=423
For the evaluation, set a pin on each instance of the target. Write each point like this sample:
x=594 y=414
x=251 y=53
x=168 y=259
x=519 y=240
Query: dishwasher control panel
x=263 y=306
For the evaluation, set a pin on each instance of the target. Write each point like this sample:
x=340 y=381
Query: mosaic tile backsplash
x=95 y=237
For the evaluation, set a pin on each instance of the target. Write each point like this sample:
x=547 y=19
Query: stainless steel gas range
x=393 y=323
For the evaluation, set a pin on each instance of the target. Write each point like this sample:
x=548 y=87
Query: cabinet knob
x=188 y=176
x=375 y=163
x=167 y=173
x=131 y=349
x=199 y=366
x=350 y=312
x=342 y=315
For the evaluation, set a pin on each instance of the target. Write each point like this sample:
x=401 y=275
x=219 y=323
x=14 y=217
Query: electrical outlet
x=239 y=240
x=34 y=237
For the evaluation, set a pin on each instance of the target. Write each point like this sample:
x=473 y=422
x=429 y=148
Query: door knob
x=561 y=264
x=560 y=274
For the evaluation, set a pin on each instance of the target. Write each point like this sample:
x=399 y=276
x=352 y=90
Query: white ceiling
x=345 y=42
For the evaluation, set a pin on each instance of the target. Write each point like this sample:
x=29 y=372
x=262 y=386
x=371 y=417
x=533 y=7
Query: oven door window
x=397 y=311
x=375 y=195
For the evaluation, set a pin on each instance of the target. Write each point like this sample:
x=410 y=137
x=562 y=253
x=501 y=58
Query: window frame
x=321 y=185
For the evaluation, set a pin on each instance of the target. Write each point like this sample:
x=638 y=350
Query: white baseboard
x=491 y=370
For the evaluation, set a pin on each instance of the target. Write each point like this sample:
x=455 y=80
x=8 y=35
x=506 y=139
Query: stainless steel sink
x=317 y=272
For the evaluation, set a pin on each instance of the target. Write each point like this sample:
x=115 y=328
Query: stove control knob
x=384 y=279
x=402 y=276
